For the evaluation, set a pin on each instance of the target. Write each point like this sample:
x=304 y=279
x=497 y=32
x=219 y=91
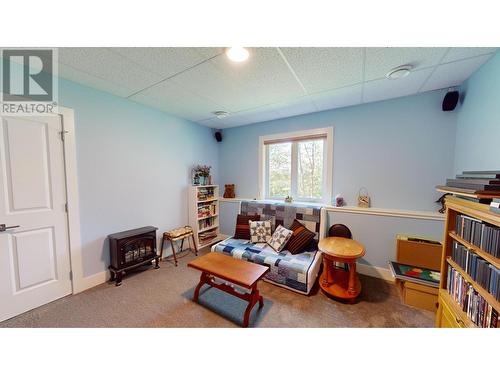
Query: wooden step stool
x=178 y=234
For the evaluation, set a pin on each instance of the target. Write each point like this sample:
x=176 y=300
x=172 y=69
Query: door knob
x=3 y=228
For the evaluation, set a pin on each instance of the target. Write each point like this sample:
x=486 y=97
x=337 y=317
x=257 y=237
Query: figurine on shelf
x=229 y=191
x=288 y=199
x=339 y=201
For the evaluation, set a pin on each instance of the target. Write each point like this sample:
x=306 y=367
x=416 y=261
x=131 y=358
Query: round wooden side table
x=338 y=282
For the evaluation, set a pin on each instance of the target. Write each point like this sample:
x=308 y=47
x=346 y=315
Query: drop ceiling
x=273 y=83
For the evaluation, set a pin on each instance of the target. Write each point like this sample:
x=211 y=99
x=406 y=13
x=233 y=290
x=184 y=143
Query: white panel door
x=34 y=257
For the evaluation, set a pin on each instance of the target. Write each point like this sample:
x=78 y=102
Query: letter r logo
x=27 y=75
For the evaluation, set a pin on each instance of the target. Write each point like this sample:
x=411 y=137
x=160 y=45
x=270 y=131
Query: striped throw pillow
x=242 y=230
x=301 y=238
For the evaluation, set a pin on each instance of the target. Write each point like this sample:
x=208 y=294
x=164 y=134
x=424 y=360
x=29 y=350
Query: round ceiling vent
x=399 y=72
x=220 y=114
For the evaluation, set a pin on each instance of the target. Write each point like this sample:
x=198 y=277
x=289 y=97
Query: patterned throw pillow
x=260 y=231
x=242 y=230
x=301 y=238
x=280 y=237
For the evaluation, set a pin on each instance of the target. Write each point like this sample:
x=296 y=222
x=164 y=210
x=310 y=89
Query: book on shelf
x=207 y=210
x=206 y=223
x=206 y=193
x=208 y=235
x=478 y=310
x=480 y=172
x=480 y=175
x=480 y=270
x=475 y=184
x=483 y=235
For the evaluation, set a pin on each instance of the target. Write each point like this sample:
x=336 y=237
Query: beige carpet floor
x=162 y=298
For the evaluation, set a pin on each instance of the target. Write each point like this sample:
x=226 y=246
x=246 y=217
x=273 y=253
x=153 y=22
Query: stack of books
x=208 y=235
x=482 y=184
x=483 y=235
x=476 y=180
x=482 y=272
x=478 y=310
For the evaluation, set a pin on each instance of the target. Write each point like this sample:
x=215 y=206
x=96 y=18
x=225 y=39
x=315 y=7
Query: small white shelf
x=195 y=205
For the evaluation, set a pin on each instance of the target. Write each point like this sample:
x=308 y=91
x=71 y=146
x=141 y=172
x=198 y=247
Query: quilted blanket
x=285 y=268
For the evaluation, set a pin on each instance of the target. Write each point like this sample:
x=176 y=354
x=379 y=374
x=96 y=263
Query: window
x=297 y=164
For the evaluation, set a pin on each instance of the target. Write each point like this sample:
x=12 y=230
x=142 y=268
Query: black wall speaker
x=218 y=136
x=450 y=100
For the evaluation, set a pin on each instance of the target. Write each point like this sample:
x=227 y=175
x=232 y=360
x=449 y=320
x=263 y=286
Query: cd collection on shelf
x=482 y=272
x=478 y=310
x=483 y=235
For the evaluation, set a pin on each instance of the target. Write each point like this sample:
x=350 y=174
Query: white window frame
x=327 y=162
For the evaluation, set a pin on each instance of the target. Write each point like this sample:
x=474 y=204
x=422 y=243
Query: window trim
x=328 y=166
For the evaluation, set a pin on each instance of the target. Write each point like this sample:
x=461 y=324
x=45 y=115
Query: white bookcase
x=204 y=214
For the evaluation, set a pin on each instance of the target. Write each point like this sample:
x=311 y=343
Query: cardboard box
x=420 y=296
x=418 y=251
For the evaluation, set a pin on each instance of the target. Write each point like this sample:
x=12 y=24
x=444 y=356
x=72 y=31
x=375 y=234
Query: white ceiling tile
x=83 y=78
x=384 y=88
x=261 y=114
x=459 y=53
x=295 y=107
x=381 y=60
x=171 y=98
x=207 y=81
x=262 y=79
x=454 y=73
x=326 y=68
x=109 y=66
x=166 y=61
x=208 y=52
x=343 y=97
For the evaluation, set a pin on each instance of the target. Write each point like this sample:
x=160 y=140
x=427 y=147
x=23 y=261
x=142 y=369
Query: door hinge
x=63 y=134
x=71 y=275
x=66 y=206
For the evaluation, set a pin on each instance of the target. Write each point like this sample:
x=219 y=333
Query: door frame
x=73 y=199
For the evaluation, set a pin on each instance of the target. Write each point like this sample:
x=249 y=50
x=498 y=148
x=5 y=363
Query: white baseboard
x=92 y=281
x=101 y=277
x=374 y=271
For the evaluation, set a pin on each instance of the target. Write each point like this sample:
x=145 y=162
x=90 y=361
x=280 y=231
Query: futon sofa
x=295 y=272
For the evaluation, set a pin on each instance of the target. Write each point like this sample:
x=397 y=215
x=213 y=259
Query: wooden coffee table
x=337 y=282
x=234 y=271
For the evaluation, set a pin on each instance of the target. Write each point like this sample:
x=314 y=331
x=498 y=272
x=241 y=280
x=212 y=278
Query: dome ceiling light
x=237 y=54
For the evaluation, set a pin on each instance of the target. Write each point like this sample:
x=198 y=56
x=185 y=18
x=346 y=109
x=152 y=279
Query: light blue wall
x=378 y=233
x=398 y=149
x=133 y=166
x=478 y=123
